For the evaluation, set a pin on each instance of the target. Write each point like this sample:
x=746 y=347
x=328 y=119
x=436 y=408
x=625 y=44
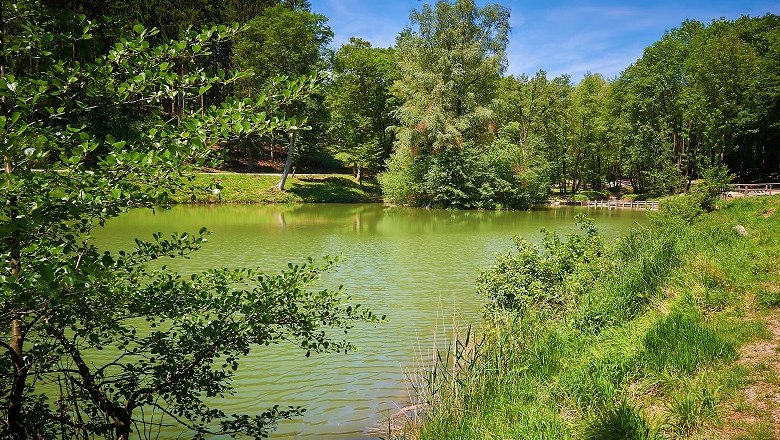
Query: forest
x=438 y=121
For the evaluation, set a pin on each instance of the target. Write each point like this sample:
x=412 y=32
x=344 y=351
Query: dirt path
x=756 y=413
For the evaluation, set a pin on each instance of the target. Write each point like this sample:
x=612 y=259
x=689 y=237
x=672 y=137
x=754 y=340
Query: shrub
x=707 y=192
x=495 y=175
x=702 y=198
x=534 y=277
x=678 y=208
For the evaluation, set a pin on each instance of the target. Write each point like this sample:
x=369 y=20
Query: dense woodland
x=443 y=125
x=107 y=106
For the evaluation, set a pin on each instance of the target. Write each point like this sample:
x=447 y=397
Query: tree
x=723 y=71
x=651 y=122
x=293 y=134
x=448 y=71
x=172 y=17
x=360 y=104
x=282 y=42
x=176 y=341
x=759 y=155
x=540 y=107
x=587 y=136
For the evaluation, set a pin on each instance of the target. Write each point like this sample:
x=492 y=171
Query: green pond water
x=416 y=266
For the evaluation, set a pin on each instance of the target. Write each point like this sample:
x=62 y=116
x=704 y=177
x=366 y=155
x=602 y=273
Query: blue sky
x=559 y=37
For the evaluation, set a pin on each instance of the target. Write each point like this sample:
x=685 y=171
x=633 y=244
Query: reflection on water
x=417 y=266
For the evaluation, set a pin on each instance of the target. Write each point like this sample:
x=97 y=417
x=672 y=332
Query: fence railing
x=753 y=189
x=612 y=204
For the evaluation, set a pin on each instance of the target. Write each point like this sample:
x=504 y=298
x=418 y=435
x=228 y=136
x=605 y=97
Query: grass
x=681 y=342
x=585 y=195
x=622 y=421
x=258 y=188
x=649 y=350
x=768 y=299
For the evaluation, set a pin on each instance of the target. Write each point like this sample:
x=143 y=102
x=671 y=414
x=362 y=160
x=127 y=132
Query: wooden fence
x=751 y=189
x=730 y=191
x=613 y=204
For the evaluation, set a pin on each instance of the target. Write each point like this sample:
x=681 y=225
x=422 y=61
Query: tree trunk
x=273 y=144
x=575 y=175
x=16 y=345
x=288 y=162
x=122 y=428
x=19 y=382
x=358 y=177
x=563 y=171
x=741 y=165
x=250 y=158
x=678 y=152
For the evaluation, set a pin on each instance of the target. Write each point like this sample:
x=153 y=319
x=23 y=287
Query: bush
x=702 y=198
x=402 y=182
x=679 y=208
x=534 y=277
x=496 y=175
x=707 y=192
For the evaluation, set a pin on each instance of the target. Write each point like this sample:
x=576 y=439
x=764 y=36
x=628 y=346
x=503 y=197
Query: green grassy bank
x=672 y=332
x=259 y=188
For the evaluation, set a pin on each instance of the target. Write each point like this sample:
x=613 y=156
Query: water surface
x=416 y=266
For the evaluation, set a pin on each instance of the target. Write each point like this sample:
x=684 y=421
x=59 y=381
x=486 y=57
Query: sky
x=559 y=37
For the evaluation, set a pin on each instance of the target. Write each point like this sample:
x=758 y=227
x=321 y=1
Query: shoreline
x=260 y=188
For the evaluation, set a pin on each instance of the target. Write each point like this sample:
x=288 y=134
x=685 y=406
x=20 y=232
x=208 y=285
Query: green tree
x=449 y=67
x=759 y=153
x=176 y=341
x=723 y=71
x=172 y=17
x=649 y=106
x=360 y=103
x=540 y=107
x=283 y=42
x=587 y=135
x=699 y=97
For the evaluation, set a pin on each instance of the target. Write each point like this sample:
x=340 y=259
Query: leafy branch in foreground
x=94 y=338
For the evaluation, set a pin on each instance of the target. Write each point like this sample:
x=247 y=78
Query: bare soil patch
x=757 y=410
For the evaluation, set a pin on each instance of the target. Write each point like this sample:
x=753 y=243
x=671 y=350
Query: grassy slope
x=652 y=352
x=254 y=188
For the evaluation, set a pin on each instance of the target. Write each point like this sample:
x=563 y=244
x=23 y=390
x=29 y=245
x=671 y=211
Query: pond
x=416 y=266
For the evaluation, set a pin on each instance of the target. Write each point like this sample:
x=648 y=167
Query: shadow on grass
x=336 y=189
